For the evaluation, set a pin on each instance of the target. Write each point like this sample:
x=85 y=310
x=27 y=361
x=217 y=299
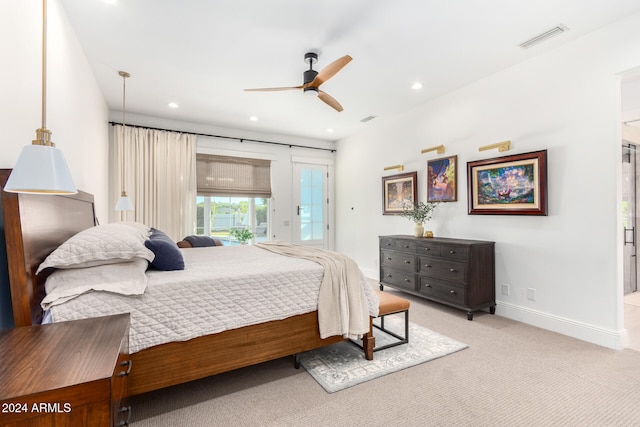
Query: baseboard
x=616 y=340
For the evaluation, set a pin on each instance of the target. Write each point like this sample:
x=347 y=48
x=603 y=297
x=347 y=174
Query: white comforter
x=221 y=288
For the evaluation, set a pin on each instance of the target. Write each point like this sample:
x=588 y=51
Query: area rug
x=342 y=365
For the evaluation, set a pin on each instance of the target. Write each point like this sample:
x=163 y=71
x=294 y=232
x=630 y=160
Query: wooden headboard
x=34 y=225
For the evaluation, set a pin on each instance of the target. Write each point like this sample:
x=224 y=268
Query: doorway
x=630 y=169
x=630 y=103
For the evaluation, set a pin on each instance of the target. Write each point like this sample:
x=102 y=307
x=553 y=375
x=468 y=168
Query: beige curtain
x=157 y=169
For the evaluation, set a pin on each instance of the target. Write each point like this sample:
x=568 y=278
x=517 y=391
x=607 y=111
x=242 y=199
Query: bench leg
x=369 y=341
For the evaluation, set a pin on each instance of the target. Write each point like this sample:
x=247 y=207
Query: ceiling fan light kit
x=312 y=80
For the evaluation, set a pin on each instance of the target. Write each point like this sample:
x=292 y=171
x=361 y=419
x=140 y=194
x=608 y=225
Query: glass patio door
x=311 y=204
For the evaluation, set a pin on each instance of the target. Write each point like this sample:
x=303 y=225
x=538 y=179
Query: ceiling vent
x=557 y=30
x=366 y=119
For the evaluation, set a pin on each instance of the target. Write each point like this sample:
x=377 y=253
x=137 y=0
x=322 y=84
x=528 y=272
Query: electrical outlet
x=531 y=294
x=506 y=289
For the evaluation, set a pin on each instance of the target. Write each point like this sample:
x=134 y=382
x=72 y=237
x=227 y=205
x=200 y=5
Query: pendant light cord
x=44 y=64
x=124 y=75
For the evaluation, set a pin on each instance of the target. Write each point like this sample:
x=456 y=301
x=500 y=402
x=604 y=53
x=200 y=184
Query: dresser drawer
x=428 y=248
x=398 y=261
x=406 y=245
x=454 y=252
x=450 y=293
x=455 y=271
x=398 y=279
x=387 y=243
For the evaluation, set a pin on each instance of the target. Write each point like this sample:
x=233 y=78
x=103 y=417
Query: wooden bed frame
x=35 y=225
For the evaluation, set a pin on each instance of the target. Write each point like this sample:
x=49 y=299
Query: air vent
x=366 y=119
x=544 y=36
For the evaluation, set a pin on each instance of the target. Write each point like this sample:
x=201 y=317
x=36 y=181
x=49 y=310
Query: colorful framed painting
x=509 y=185
x=442 y=178
x=397 y=191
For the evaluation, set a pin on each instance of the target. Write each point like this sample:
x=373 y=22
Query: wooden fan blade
x=330 y=71
x=330 y=100
x=273 y=89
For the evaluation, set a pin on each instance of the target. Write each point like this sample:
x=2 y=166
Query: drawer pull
x=388 y=244
x=126 y=409
x=452 y=292
x=453 y=270
x=427 y=265
x=407 y=246
x=388 y=258
x=407 y=280
x=388 y=275
x=406 y=261
x=452 y=252
x=127 y=363
x=427 y=285
x=427 y=249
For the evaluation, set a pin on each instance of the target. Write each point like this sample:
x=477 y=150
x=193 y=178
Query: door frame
x=330 y=185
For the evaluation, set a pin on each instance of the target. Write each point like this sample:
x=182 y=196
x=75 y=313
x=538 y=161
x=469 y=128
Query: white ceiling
x=201 y=54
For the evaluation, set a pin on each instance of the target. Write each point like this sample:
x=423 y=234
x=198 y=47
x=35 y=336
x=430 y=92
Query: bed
x=36 y=225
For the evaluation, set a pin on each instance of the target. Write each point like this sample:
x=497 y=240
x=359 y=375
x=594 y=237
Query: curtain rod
x=333 y=150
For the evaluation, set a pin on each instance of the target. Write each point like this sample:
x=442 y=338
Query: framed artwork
x=442 y=179
x=397 y=191
x=509 y=185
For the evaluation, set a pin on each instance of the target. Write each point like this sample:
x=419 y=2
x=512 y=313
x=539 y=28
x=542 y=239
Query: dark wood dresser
x=456 y=272
x=66 y=374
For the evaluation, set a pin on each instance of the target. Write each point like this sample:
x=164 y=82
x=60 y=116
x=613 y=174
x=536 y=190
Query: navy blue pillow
x=168 y=255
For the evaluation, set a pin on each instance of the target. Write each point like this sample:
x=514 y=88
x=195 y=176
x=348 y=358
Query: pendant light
x=41 y=168
x=124 y=203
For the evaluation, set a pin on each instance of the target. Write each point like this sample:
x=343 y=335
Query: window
x=233 y=193
x=217 y=216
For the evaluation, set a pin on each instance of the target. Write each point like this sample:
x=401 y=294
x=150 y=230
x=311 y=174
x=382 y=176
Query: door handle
x=631 y=230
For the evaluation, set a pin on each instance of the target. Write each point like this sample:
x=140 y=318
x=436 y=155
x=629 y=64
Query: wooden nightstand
x=66 y=374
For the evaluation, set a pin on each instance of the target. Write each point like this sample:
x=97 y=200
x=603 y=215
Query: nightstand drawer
x=398 y=260
x=439 y=268
x=450 y=293
x=398 y=279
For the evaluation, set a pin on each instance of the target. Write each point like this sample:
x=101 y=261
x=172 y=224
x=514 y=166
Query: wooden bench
x=391 y=304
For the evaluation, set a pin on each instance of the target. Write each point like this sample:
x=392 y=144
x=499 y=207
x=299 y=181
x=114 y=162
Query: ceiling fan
x=313 y=79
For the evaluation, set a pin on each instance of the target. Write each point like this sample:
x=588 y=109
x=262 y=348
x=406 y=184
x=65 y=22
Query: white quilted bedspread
x=221 y=288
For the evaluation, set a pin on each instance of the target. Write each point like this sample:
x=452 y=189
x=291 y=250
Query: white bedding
x=221 y=288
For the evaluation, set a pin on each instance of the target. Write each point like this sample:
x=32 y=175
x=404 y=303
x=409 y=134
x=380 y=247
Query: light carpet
x=342 y=365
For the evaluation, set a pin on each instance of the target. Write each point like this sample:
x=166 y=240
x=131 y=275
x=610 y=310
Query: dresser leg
x=469 y=315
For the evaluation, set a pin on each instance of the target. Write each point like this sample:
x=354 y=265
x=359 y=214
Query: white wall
x=76 y=110
x=566 y=101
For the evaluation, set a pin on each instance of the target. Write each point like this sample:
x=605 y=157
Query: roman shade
x=233 y=176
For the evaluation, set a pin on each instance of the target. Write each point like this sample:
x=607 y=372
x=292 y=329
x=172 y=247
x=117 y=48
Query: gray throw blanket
x=342 y=303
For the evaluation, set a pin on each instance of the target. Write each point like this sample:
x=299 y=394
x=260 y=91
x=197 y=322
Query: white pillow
x=99 y=245
x=126 y=278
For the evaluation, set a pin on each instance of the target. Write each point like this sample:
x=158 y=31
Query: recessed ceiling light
x=110 y=1
x=416 y=86
x=253 y=118
x=329 y=130
x=173 y=105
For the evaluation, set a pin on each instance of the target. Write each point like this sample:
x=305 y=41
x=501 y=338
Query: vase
x=418 y=229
